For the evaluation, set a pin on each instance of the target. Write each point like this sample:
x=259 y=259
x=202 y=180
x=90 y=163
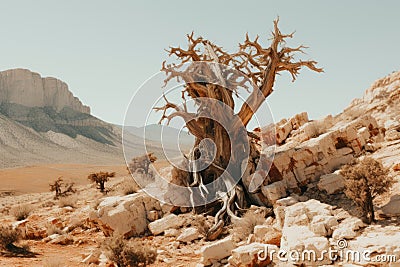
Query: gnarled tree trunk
x=221 y=126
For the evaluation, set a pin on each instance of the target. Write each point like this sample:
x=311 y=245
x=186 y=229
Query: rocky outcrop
x=26 y=88
x=315 y=226
x=124 y=215
x=311 y=149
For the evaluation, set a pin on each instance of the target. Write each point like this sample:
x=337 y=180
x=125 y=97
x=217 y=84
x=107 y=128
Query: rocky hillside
x=308 y=150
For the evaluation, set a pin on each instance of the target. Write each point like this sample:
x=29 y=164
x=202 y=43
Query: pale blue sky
x=105 y=50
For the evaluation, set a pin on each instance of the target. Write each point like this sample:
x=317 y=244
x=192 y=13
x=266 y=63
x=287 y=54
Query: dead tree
x=62 y=189
x=260 y=65
x=100 y=178
x=142 y=164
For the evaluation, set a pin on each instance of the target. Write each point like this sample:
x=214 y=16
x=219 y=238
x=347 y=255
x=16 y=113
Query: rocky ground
x=305 y=193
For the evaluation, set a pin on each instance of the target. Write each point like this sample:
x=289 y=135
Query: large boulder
x=313 y=150
x=379 y=243
x=307 y=226
x=347 y=229
x=124 y=215
x=393 y=207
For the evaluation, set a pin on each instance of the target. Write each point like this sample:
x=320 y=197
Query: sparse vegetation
x=100 y=178
x=62 y=189
x=21 y=212
x=142 y=164
x=131 y=254
x=8 y=236
x=69 y=201
x=365 y=180
x=128 y=186
x=52 y=229
x=244 y=227
x=200 y=222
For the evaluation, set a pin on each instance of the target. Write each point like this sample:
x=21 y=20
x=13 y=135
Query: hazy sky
x=105 y=50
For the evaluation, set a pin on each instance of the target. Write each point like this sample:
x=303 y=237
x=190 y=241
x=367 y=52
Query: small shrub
x=365 y=180
x=8 y=236
x=100 y=178
x=142 y=164
x=69 y=201
x=128 y=187
x=47 y=204
x=21 y=212
x=62 y=189
x=51 y=229
x=129 y=254
x=200 y=222
x=244 y=227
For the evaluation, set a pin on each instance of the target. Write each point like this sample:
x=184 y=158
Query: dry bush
x=128 y=187
x=100 y=178
x=244 y=227
x=365 y=180
x=129 y=254
x=142 y=164
x=47 y=204
x=200 y=222
x=51 y=229
x=69 y=201
x=62 y=189
x=21 y=212
x=8 y=236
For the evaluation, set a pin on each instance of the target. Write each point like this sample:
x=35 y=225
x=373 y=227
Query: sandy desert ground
x=36 y=178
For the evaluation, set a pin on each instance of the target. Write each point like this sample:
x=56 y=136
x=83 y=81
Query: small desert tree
x=62 y=189
x=100 y=178
x=365 y=180
x=142 y=163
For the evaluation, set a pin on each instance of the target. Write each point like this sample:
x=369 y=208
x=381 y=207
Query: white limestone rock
x=188 y=235
x=331 y=183
x=125 y=215
x=170 y=221
x=252 y=254
x=216 y=251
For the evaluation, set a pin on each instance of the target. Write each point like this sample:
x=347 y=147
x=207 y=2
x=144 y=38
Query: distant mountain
x=29 y=89
x=42 y=122
x=162 y=133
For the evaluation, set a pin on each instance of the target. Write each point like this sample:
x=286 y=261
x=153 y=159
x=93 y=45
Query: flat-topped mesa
x=27 y=88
